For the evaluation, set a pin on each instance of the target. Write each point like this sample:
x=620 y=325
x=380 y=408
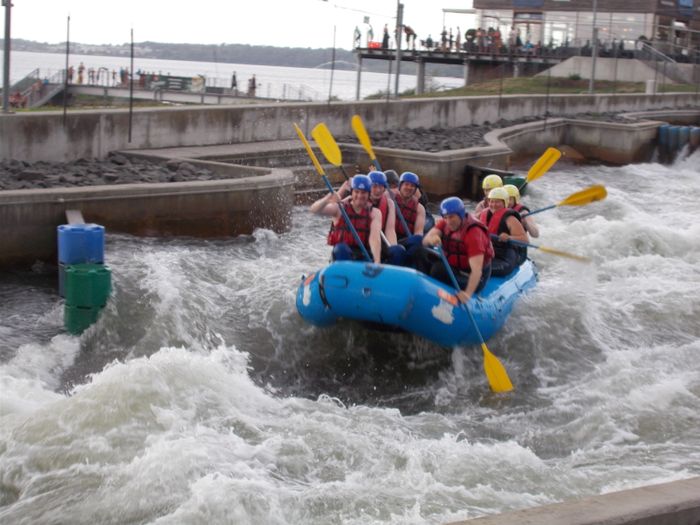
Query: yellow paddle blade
x=573 y=256
x=329 y=147
x=593 y=193
x=495 y=372
x=359 y=128
x=311 y=153
x=546 y=161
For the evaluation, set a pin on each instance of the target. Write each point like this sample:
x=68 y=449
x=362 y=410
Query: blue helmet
x=377 y=177
x=452 y=205
x=408 y=176
x=361 y=182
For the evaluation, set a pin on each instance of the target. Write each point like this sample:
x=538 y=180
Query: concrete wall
x=87 y=134
x=28 y=218
x=675 y=503
x=626 y=70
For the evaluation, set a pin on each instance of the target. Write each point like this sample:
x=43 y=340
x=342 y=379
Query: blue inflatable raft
x=410 y=300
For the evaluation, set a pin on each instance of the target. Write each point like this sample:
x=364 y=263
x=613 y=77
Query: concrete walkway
x=675 y=503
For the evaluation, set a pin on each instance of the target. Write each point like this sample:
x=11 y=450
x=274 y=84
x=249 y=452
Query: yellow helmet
x=513 y=191
x=491 y=181
x=499 y=194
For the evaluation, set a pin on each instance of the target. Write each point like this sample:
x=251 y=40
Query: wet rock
x=31 y=175
x=119 y=160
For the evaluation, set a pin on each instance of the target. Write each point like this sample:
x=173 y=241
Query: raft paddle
x=552 y=251
x=494 y=369
x=329 y=147
x=359 y=128
x=593 y=193
x=542 y=165
x=320 y=171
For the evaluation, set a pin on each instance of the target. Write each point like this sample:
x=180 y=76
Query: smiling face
x=359 y=199
x=453 y=221
x=377 y=192
x=407 y=190
x=496 y=204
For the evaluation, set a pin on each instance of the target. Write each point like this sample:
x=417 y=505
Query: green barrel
x=87 y=285
x=77 y=319
x=516 y=181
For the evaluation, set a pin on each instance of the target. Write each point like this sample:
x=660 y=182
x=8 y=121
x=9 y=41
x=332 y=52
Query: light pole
x=7 y=4
x=594 y=49
x=399 y=30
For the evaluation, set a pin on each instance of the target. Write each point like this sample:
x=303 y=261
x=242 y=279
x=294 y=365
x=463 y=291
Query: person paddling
x=490 y=182
x=366 y=220
x=514 y=203
x=411 y=209
x=504 y=224
x=467 y=247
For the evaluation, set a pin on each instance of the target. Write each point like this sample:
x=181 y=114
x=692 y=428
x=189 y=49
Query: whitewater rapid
x=201 y=397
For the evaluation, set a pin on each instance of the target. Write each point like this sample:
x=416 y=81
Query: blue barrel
x=694 y=137
x=673 y=138
x=81 y=243
x=663 y=136
x=683 y=136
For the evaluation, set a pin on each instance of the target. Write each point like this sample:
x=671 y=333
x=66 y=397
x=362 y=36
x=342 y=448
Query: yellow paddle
x=593 y=193
x=320 y=171
x=359 y=128
x=542 y=165
x=494 y=369
x=329 y=147
x=552 y=251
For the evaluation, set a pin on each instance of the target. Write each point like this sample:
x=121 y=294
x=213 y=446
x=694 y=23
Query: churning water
x=201 y=397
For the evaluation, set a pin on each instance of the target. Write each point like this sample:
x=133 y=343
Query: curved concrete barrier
x=674 y=503
x=28 y=218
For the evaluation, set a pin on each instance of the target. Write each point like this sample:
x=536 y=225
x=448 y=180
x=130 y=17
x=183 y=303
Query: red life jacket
x=361 y=221
x=496 y=224
x=383 y=206
x=520 y=208
x=409 y=210
x=455 y=243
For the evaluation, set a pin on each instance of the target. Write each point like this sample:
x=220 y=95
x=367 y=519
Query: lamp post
x=399 y=30
x=7 y=4
x=594 y=49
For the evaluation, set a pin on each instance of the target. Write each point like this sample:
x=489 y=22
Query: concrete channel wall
x=93 y=134
x=28 y=218
x=674 y=503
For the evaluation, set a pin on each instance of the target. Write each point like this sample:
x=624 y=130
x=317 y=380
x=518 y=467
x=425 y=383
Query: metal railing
x=663 y=63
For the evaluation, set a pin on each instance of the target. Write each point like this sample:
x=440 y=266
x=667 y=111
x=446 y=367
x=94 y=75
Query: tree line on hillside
x=229 y=53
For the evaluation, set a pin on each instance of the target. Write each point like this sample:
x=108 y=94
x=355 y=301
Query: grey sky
x=294 y=23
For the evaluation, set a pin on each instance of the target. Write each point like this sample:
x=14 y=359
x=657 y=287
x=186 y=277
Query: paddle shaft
x=355 y=235
x=514 y=241
x=320 y=171
x=363 y=136
x=552 y=251
x=540 y=210
x=448 y=268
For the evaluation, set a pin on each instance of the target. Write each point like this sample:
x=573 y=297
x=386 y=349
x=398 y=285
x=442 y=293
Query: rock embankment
x=116 y=169
x=437 y=139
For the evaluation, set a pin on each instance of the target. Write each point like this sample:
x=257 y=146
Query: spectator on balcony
x=410 y=37
x=385 y=37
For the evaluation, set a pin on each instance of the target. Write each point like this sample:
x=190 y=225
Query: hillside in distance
x=228 y=53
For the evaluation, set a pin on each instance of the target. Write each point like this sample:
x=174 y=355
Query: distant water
x=274 y=81
x=201 y=396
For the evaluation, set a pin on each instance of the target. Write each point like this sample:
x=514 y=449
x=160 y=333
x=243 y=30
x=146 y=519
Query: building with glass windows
x=672 y=26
